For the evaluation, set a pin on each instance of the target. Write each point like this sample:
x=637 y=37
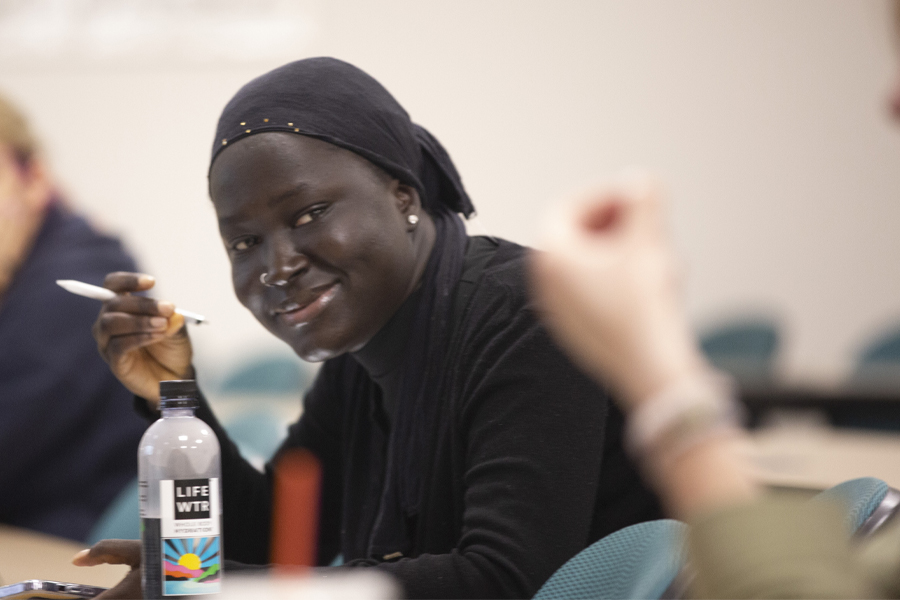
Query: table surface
x=787 y=456
x=28 y=555
x=821 y=457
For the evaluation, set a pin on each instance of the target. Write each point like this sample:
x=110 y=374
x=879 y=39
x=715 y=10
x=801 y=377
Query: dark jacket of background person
x=68 y=436
x=525 y=468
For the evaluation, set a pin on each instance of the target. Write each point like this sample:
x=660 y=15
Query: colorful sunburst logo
x=194 y=560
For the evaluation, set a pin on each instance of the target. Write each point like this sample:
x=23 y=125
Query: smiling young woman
x=462 y=452
x=321 y=246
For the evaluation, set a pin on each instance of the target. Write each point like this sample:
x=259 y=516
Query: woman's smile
x=298 y=313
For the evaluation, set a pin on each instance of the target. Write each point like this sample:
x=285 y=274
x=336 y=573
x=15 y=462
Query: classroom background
x=765 y=120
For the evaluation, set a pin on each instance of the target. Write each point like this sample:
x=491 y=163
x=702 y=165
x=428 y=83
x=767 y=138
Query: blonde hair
x=15 y=132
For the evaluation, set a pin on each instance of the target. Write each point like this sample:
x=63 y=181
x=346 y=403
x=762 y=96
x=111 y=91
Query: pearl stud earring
x=413 y=219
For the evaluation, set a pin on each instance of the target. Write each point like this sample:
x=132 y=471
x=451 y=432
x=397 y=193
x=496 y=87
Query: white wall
x=765 y=118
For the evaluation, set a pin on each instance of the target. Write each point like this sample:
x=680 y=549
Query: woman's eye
x=242 y=244
x=310 y=216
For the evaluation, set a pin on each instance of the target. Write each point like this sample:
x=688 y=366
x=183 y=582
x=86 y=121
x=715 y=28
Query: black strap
x=480 y=251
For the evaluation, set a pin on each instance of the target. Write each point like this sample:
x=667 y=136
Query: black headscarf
x=335 y=102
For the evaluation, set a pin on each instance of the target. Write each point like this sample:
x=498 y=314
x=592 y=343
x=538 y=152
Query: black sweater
x=526 y=469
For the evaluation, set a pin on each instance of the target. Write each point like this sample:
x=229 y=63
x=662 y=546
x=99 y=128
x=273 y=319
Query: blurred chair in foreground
x=640 y=561
x=647 y=560
x=744 y=348
x=869 y=503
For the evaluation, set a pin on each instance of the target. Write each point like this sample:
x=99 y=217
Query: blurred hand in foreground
x=143 y=340
x=608 y=284
x=609 y=288
x=115 y=552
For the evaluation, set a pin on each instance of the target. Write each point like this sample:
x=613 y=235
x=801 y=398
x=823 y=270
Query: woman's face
x=327 y=230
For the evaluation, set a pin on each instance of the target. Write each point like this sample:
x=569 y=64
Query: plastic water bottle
x=179 y=473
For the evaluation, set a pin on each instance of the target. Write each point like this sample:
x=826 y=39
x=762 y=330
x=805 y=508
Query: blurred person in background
x=68 y=438
x=609 y=286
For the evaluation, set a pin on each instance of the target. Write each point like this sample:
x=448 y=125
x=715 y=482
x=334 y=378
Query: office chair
x=121 y=519
x=870 y=502
x=745 y=348
x=267 y=375
x=640 y=561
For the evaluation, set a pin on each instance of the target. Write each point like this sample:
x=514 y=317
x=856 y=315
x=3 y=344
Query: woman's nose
x=284 y=262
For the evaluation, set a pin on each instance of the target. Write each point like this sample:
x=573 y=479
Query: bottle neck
x=181 y=411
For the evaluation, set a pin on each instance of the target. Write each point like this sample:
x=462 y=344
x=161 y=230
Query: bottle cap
x=178 y=393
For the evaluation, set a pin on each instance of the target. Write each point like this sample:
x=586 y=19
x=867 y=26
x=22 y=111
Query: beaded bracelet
x=683 y=415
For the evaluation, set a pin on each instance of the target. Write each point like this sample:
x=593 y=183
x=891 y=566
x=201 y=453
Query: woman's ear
x=407 y=197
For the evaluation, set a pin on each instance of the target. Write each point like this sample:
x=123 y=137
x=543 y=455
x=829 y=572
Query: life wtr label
x=189 y=527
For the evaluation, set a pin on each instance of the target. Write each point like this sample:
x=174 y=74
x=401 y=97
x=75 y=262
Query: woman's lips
x=299 y=316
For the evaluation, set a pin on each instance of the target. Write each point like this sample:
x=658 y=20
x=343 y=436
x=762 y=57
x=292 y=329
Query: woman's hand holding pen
x=144 y=341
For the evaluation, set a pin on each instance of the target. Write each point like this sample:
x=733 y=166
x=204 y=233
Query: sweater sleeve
x=532 y=427
x=776 y=548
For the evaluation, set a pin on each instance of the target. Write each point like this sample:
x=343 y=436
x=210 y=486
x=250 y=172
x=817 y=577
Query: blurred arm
x=609 y=286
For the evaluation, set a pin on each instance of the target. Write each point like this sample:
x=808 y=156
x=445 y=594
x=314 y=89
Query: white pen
x=94 y=292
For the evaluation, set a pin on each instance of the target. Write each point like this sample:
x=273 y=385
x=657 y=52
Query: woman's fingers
x=602 y=217
x=123 y=281
x=125 y=333
x=632 y=205
x=113 y=552
x=136 y=317
x=608 y=284
x=139 y=305
x=120 y=332
x=176 y=326
x=144 y=341
x=119 y=323
x=122 y=345
x=643 y=195
x=127 y=589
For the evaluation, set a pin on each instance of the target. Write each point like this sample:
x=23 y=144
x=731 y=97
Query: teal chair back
x=121 y=519
x=641 y=561
x=257 y=432
x=259 y=389
x=878 y=366
x=886 y=348
x=746 y=349
x=267 y=375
